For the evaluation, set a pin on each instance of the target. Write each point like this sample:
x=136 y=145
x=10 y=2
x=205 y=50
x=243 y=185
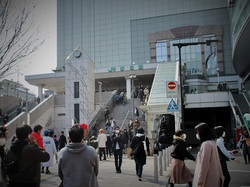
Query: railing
x=232 y=104
x=125 y=118
x=247 y=97
x=205 y=88
x=97 y=116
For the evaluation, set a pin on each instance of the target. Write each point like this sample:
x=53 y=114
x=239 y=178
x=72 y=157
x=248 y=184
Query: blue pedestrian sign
x=172 y=106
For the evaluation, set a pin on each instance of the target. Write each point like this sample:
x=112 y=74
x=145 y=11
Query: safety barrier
x=164 y=159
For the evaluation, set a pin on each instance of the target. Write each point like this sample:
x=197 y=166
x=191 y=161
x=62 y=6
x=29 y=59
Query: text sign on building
x=172 y=89
x=172 y=106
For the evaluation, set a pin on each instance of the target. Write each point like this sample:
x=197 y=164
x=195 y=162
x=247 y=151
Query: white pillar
x=155 y=168
x=128 y=87
x=40 y=92
x=160 y=163
x=100 y=94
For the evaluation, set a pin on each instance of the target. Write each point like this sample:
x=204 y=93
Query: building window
x=76 y=113
x=161 y=51
x=211 y=56
x=76 y=89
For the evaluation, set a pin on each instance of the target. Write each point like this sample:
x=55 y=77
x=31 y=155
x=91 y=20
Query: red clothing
x=38 y=138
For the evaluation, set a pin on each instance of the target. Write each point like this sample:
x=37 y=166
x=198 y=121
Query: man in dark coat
x=118 y=145
x=29 y=160
x=62 y=141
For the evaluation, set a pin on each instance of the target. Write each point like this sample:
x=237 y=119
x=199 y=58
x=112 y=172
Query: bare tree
x=18 y=34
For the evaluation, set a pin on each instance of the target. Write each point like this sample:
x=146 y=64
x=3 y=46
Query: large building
x=133 y=36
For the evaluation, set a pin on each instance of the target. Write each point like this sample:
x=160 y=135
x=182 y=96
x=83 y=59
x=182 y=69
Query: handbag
x=137 y=148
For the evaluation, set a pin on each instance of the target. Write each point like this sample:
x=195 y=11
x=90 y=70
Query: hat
x=101 y=131
x=179 y=132
x=140 y=130
x=46 y=132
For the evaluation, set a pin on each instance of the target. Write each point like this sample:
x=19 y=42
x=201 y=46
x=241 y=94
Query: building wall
x=79 y=70
x=116 y=33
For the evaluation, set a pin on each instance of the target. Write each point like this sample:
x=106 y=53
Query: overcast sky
x=43 y=60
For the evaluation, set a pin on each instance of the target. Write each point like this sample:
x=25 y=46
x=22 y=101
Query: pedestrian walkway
x=108 y=177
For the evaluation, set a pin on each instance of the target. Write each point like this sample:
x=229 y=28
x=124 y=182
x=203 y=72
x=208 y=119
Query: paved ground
x=240 y=174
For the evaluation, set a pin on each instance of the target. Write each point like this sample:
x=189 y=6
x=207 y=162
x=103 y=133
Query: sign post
x=172 y=89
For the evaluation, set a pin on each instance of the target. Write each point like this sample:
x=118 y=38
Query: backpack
x=10 y=164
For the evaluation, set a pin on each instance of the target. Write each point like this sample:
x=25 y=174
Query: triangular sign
x=172 y=107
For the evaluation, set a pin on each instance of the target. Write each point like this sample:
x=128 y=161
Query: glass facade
x=116 y=33
x=161 y=51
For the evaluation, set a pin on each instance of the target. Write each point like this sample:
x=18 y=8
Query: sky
x=44 y=59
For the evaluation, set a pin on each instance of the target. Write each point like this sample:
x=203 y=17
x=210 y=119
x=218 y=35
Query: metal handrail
x=231 y=100
x=125 y=119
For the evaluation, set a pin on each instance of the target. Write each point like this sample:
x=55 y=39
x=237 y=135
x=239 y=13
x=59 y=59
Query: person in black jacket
x=118 y=145
x=180 y=173
x=29 y=157
x=62 y=141
x=140 y=156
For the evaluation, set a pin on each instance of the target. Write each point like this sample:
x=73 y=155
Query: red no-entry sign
x=171 y=85
x=172 y=89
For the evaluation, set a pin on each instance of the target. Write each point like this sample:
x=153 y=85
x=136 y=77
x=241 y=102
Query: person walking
x=125 y=137
x=106 y=114
x=109 y=151
x=163 y=141
x=245 y=146
x=118 y=145
x=37 y=135
x=180 y=173
x=140 y=155
x=31 y=156
x=208 y=171
x=101 y=139
x=224 y=154
x=62 y=141
x=56 y=142
x=50 y=147
x=136 y=112
x=78 y=163
x=246 y=118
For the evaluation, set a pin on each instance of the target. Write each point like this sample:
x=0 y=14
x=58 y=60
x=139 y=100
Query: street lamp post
x=180 y=45
x=132 y=77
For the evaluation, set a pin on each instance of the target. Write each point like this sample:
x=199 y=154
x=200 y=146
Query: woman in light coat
x=50 y=147
x=208 y=171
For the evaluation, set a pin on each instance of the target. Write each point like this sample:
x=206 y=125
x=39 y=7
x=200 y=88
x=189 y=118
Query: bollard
x=164 y=160
x=160 y=163
x=169 y=156
x=155 y=169
x=167 y=161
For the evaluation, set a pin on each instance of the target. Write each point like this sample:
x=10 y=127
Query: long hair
x=204 y=132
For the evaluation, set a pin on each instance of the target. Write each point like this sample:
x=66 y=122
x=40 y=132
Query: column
x=128 y=87
x=40 y=92
x=100 y=93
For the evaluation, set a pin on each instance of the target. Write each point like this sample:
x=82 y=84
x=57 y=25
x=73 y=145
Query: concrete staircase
x=119 y=113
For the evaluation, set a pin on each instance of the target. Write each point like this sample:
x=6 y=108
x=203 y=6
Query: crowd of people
x=78 y=162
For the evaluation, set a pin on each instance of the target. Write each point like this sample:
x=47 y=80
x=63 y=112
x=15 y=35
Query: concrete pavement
x=240 y=174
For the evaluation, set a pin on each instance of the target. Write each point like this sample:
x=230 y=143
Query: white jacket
x=101 y=139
